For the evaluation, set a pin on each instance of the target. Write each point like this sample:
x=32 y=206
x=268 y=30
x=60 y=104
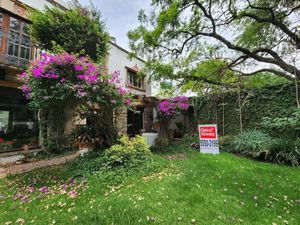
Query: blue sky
x=120 y=16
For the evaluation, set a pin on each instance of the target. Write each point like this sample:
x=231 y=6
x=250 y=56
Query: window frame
x=133 y=81
x=15 y=40
x=18 y=42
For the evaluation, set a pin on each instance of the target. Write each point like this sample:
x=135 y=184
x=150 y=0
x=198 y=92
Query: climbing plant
x=169 y=109
x=273 y=102
x=64 y=85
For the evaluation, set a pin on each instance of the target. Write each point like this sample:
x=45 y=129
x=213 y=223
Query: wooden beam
x=10 y=84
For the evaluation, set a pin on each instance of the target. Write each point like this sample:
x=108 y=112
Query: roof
x=134 y=69
x=126 y=51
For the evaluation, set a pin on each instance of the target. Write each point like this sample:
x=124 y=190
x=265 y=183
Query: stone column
x=120 y=118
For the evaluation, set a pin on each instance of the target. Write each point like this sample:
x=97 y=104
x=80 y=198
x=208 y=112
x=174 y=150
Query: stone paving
x=23 y=168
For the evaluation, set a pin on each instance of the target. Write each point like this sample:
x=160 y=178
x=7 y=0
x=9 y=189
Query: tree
x=76 y=30
x=245 y=37
x=58 y=84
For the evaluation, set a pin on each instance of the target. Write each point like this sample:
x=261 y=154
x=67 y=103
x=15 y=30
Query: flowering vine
x=57 y=83
x=172 y=107
x=65 y=77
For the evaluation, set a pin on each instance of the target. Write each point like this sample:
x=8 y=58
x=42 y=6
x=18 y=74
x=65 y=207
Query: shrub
x=189 y=139
x=161 y=143
x=251 y=142
x=226 y=143
x=284 y=151
x=88 y=164
x=259 y=145
x=129 y=153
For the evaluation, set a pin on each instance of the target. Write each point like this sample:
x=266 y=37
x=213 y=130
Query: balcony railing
x=12 y=60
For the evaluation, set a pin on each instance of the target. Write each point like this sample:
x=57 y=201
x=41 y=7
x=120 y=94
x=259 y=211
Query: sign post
x=208 y=136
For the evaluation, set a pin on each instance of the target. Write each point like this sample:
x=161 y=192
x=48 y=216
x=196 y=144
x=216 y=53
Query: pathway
x=23 y=168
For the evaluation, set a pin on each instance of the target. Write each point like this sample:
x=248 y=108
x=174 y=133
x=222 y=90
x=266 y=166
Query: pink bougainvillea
x=63 y=77
x=171 y=107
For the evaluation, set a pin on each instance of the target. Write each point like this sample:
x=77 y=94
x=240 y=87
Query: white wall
x=118 y=59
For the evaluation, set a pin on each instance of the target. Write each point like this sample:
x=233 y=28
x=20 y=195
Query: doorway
x=135 y=121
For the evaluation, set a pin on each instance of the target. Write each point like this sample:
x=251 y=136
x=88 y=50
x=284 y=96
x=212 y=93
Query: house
x=132 y=122
x=18 y=124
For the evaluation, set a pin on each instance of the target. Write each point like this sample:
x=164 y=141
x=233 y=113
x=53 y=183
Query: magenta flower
x=81 y=77
x=64 y=76
x=26 y=88
x=44 y=189
x=184 y=105
x=54 y=76
x=72 y=194
x=78 y=68
x=173 y=106
x=122 y=91
x=128 y=101
x=92 y=79
x=23 y=77
x=37 y=72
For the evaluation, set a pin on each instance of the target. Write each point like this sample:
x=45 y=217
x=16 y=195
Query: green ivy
x=272 y=102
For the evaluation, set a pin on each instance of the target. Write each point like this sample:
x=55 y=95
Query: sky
x=120 y=16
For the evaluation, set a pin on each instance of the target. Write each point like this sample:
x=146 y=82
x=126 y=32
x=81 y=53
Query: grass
x=201 y=189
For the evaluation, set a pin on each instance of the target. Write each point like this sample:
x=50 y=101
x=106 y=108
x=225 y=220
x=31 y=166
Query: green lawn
x=202 y=189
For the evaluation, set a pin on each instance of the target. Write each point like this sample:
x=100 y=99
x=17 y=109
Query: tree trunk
x=223 y=115
x=109 y=126
x=297 y=92
x=163 y=131
x=42 y=128
x=56 y=126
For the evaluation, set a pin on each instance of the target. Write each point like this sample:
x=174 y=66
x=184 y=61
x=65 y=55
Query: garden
x=122 y=180
x=179 y=186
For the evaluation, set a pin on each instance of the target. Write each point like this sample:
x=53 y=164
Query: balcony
x=13 y=61
x=16 y=50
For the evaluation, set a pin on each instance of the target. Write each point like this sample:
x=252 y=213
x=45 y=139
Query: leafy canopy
x=218 y=41
x=77 y=30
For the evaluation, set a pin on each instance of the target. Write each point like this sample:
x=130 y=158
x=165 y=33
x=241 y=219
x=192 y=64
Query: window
x=134 y=80
x=18 y=124
x=19 y=40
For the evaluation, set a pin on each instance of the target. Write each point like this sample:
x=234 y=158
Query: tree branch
x=280 y=73
x=292 y=35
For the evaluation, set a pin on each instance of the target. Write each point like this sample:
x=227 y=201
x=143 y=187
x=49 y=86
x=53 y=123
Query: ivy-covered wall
x=223 y=109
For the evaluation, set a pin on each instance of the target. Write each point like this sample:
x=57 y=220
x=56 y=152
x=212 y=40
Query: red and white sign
x=208 y=136
x=208 y=132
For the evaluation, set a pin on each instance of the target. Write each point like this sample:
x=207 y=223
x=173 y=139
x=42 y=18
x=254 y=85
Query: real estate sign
x=208 y=136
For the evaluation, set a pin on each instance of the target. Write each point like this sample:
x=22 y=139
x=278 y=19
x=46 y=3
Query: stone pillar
x=148 y=118
x=121 y=121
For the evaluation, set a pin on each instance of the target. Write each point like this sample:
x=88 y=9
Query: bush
x=251 y=143
x=161 y=144
x=259 y=145
x=129 y=153
x=284 y=151
x=88 y=164
x=226 y=143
